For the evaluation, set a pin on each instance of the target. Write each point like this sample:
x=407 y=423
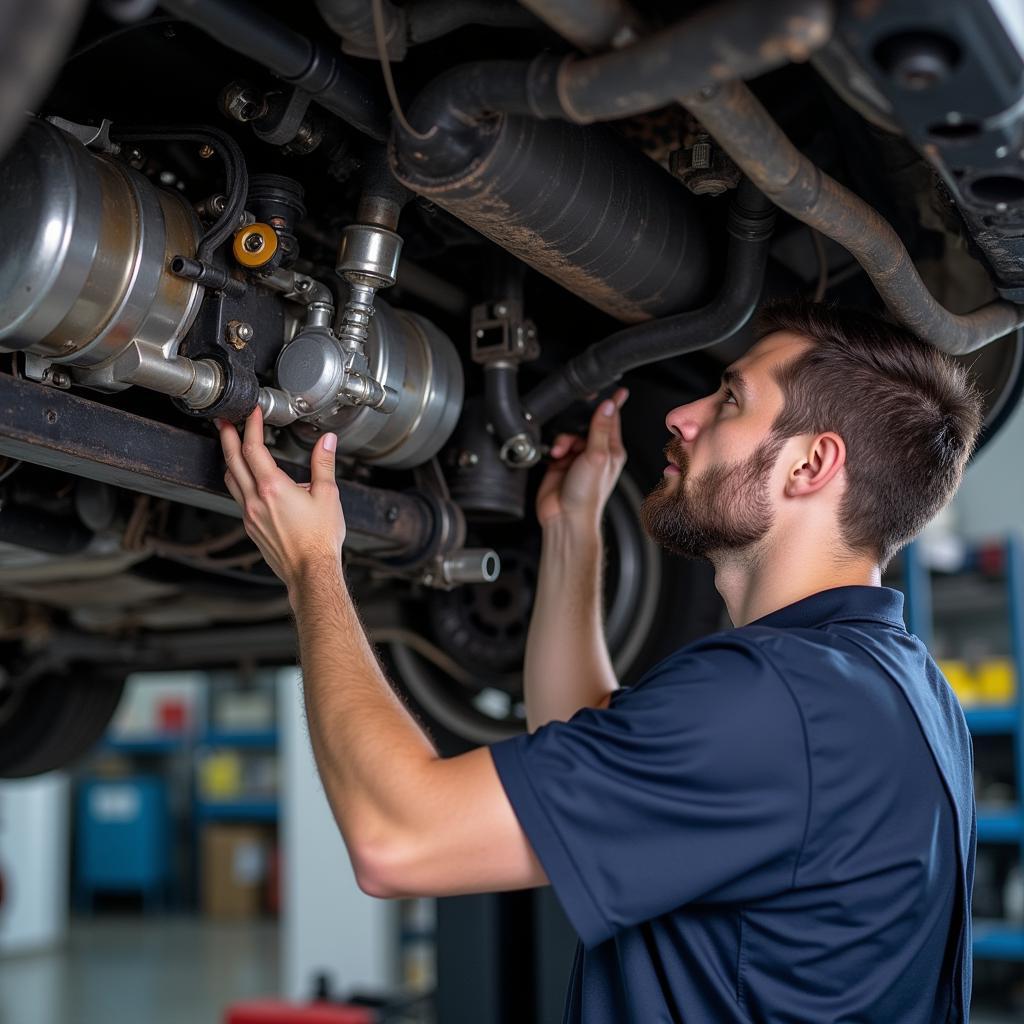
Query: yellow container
x=995 y=681
x=221 y=776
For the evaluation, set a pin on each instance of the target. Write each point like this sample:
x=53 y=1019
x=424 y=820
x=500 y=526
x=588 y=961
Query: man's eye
x=728 y=398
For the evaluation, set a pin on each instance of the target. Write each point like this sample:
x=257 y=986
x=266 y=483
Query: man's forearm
x=567 y=664
x=368 y=748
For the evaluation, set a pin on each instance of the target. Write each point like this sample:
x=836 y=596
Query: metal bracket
x=71 y=434
x=91 y=136
x=282 y=121
x=498 y=330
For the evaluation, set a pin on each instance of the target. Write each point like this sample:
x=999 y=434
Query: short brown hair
x=908 y=414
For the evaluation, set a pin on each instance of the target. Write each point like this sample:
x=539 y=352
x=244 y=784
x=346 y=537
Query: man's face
x=718 y=492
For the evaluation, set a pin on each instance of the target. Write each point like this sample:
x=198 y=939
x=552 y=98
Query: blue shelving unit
x=993 y=939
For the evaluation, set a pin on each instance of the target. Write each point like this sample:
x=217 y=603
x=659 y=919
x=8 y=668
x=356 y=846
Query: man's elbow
x=382 y=870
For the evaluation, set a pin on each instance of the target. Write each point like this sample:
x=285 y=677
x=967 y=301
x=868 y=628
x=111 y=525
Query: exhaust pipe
x=745 y=130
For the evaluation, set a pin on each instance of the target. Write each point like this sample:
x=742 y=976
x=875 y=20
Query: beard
x=725 y=508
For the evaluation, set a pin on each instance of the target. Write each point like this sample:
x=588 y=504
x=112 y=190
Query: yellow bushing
x=255 y=245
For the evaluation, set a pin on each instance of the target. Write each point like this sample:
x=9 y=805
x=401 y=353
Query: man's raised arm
x=567 y=664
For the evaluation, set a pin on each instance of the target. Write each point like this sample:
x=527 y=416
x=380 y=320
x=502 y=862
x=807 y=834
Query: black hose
x=236 y=175
x=432 y=19
x=750 y=224
x=449 y=113
x=695 y=52
x=501 y=399
x=295 y=59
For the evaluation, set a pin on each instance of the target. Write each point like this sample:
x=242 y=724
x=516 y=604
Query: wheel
x=56 y=719
x=458 y=655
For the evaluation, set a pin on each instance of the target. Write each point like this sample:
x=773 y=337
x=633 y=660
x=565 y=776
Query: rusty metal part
x=734 y=39
x=704 y=168
x=74 y=435
x=574 y=203
x=745 y=130
x=239 y=333
x=590 y=25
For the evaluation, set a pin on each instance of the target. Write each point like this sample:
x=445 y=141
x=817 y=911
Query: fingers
x=615 y=434
x=258 y=458
x=562 y=445
x=321 y=463
x=605 y=428
x=231 y=445
x=233 y=488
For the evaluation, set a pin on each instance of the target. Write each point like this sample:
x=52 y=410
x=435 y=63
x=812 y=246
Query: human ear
x=824 y=457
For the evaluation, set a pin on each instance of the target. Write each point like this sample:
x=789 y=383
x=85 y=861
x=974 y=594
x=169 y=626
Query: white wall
x=34 y=850
x=328 y=925
x=990 y=502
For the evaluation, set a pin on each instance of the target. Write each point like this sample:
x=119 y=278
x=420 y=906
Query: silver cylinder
x=369 y=255
x=471 y=565
x=408 y=354
x=84 y=273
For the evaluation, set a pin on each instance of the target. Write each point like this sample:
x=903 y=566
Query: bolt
x=206 y=151
x=243 y=102
x=167 y=178
x=61 y=379
x=1001 y=151
x=302 y=405
x=51 y=416
x=303 y=284
x=69 y=346
x=700 y=156
x=253 y=242
x=134 y=155
x=467 y=459
x=501 y=309
x=392 y=514
x=238 y=333
x=479 y=332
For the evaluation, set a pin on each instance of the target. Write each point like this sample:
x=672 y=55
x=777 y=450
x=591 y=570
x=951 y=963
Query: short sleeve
x=692 y=786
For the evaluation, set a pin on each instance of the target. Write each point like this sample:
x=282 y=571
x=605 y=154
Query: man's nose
x=684 y=421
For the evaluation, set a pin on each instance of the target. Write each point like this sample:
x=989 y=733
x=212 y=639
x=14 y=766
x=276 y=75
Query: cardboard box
x=234 y=870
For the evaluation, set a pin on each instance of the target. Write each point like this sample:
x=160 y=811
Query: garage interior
x=442 y=230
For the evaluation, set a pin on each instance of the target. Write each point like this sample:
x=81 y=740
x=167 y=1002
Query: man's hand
x=583 y=473
x=297 y=527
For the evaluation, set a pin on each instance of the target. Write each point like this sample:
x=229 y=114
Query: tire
x=55 y=720
x=655 y=603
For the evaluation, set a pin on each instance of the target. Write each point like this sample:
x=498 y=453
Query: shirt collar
x=880 y=604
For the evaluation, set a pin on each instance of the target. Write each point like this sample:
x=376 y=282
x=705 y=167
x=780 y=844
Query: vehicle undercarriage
x=440 y=230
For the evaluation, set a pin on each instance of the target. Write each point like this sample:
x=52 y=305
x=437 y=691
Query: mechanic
x=776 y=823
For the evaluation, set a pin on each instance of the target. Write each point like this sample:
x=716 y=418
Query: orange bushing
x=255 y=245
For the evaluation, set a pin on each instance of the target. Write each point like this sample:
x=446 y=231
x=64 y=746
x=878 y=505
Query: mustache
x=675 y=452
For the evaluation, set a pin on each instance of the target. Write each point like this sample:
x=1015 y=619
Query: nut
x=238 y=334
x=243 y=102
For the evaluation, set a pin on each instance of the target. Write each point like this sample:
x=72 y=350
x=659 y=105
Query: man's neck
x=755 y=584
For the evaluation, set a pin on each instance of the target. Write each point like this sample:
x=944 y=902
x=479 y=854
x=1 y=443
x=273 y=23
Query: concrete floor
x=153 y=971
x=139 y=971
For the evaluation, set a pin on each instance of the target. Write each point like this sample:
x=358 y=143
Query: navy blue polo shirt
x=776 y=823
